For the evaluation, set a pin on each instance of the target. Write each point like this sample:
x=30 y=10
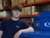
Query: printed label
x=47 y=24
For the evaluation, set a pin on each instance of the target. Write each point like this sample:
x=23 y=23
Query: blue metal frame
x=11 y=12
x=37 y=34
x=31 y=14
x=36 y=23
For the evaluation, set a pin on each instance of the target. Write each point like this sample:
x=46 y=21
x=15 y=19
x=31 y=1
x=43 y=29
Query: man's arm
x=30 y=29
x=1 y=32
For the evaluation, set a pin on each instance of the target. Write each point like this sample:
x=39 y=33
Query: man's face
x=16 y=13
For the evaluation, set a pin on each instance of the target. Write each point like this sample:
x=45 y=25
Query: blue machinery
x=36 y=35
x=44 y=27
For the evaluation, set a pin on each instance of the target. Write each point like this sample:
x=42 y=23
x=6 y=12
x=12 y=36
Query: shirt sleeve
x=26 y=25
x=2 y=26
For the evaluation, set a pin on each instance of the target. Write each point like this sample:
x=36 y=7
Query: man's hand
x=30 y=29
x=1 y=32
x=17 y=34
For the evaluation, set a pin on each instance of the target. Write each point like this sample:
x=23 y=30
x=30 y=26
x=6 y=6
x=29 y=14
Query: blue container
x=45 y=21
x=36 y=23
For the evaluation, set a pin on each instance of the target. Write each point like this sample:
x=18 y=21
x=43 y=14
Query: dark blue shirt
x=10 y=27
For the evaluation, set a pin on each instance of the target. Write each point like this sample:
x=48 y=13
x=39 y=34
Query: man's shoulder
x=6 y=19
x=21 y=21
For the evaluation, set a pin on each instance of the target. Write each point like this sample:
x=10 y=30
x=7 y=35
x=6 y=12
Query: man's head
x=16 y=10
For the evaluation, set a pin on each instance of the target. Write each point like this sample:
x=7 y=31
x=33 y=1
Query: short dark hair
x=17 y=7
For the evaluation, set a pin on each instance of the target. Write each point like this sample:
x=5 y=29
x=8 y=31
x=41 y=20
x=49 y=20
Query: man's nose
x=17 y=12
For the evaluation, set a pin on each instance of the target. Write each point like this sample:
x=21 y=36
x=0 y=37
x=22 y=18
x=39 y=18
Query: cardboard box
x=22 y=1
x=23 y=11
x=41 y=0
x=0 y=2
x=30 y=1
x=1 y=13
x=35 y=13
x=6 y=3
x=14 y=2
x=1 y=7
x=27 y=11
x=38 y=0
x=6 y=13
x=36 y=9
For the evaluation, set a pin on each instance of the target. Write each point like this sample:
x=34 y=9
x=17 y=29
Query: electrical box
x=45 y=21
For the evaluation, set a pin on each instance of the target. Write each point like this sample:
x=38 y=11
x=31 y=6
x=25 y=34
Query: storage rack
x=41 y=3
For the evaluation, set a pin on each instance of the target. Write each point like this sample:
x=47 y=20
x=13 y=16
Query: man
x=13 y=27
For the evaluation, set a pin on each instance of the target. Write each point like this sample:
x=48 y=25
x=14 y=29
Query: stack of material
x=36 y=10
x=27 y=11
x=6 y=3
x=30 y=1
x=38 y=0
x=1 y=4
x=23 y=11
x=5 y=13
x=22 y=1
x=1 y=13
x=14 y=2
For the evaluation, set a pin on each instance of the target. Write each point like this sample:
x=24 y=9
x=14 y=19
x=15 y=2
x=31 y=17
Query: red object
x=45 y=4
x=37 y=3
x=29 y=15
x=31 y=22
x=40 y=2
x=21 y=16
x=5 y=9
x=5 y=17
x=27 y=20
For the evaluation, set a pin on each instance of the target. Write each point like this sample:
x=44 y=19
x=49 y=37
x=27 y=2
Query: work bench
x=36 y=34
